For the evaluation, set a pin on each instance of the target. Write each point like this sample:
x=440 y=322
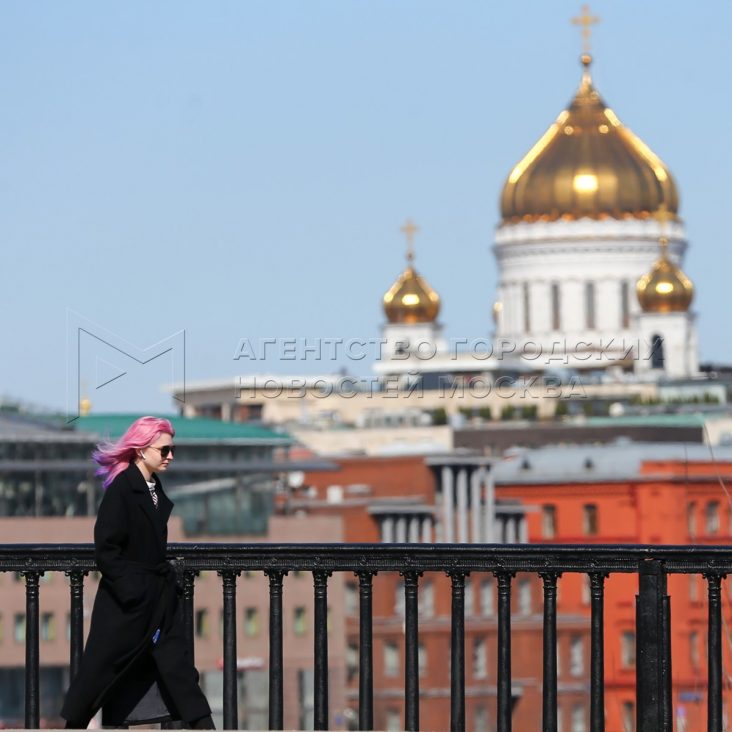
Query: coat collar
x=159 y=515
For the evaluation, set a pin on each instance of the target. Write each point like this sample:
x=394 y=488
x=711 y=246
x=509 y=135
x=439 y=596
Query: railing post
x=32 y=711
x=231 y=707
x=714 y=653
x=76 y=640
x=597 y=652
x=189 y=583
x=549 y=682
x=457 y=648
x=365 y=652
x=320 y=671
x=504 y=651
x=653 y=652
x=276 y=699
x=411 y=650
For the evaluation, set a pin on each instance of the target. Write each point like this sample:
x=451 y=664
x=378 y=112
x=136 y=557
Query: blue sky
x=241 y=169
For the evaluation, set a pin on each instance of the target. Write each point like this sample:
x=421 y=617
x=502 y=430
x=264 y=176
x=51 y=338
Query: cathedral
x=589 y=251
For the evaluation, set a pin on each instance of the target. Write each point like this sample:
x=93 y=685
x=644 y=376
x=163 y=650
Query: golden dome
x=410 y=299
x=587 y=164
x=665 y=289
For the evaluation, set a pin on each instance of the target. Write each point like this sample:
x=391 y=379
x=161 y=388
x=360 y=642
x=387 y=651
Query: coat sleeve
x=111 y=536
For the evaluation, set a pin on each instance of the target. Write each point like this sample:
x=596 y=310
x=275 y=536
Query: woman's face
x=158 y=453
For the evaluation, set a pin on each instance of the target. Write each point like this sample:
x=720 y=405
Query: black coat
x=137 y=595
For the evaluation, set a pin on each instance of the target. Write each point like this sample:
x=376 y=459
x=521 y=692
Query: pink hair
x=114 y=457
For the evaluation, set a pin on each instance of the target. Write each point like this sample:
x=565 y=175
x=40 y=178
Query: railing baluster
x=457 y=646
x=365 y=652
x=504 y=650
x=231 y=712
x=320 y=672
x=189 y=581
x=411 y=650
x=597 y=652
x=652 y=655
x=32 y=711
x=276 y=699
x=714 y=653
x=549 y=683
x=76 y=614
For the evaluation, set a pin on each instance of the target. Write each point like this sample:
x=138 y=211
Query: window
x=657 y=357
x=351 y=661
x=251 y=621
x=427 y=600
x=393 y=720
x=351 y=599
x=693 y=587
x=300 y=621
x=549 y=521
x=469 y=599
x=524 y=597
x=486 y=598
x=624 y=305
x=527 y=308
x=694 y=654
x=422 y=659
x=391 y=659
x=691 y=519
x=628 y=716
x=48 y=627
x=556 y=306
x=203 y=628
x=19 y=628
x=590 y=305
x=627 y=649
x=480 y=658
x=480 y=719
x=586 y=589
x=576 y=656
x=712 y=517
x=399 y=600
x=589 y=519
x=578 y=718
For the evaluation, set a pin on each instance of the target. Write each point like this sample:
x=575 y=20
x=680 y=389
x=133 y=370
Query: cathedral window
x=624 y=304
x=556 y=304
x=657 y=358
x=590 y=305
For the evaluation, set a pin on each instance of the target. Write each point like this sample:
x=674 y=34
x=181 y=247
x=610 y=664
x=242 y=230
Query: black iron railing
x=652 y=564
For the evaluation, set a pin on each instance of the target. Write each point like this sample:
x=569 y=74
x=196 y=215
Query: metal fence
x=652 y=564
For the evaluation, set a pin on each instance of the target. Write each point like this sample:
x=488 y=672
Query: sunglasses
x=165 y=450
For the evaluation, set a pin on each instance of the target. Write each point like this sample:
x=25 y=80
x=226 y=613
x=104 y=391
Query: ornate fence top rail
x=607 y=558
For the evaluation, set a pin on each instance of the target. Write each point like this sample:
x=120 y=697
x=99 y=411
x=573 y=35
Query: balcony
x=652 y=565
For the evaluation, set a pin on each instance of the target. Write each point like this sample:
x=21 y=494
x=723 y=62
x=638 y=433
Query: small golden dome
x=410 y=299
x=665 y=289
x=85 y=406
x=587 y=164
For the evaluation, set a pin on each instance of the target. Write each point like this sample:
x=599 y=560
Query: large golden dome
x=587 y=164
x=665 y=289
x=410 y=299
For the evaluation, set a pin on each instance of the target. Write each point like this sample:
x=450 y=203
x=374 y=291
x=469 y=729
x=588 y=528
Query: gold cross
x=409 y=230
x=663 y=216
x=586 y=21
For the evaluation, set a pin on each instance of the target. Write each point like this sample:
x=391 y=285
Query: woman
x=136 y=665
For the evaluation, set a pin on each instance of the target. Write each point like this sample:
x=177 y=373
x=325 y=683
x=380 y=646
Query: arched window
x=657 y=352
